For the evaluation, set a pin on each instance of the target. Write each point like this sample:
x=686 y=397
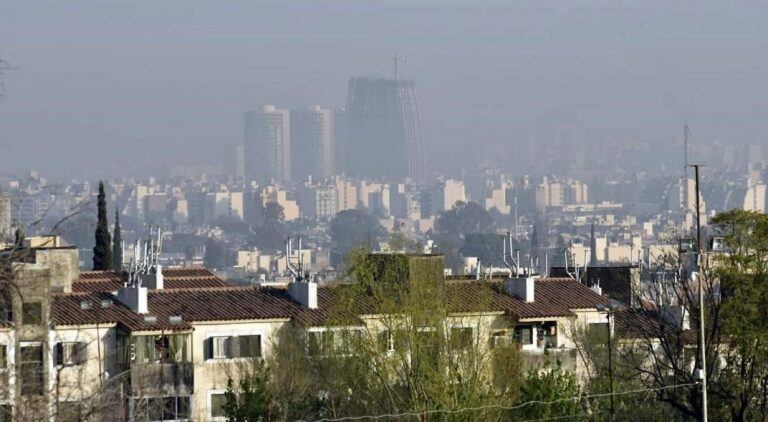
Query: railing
x=162 y=379
x=565 y=358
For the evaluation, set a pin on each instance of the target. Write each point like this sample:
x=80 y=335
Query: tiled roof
x=233 y=303
x=644 y=324
x=173 y=278
x=68 y=309
x=553 y=297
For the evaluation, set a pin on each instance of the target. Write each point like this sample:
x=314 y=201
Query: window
x=160 y=408
x=249 y=346
x=524 y=334
x=428 y=344
x=70 y=353
x=3 y=357
x=31 y=362
x=218 y=400
x=461 y=338
x=233 y=347
x=597 y=332
x=170 y=348
x=501 y=339
x=320 y=342
x=220 y=347
x=31 y=313
x=386 y=341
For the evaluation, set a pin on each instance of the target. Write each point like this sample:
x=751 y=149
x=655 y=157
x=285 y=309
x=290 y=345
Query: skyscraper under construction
x=383 y=132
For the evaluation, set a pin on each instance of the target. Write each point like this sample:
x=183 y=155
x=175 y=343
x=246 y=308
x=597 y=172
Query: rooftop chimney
x=134 y=297
x=304 y=292
x=522 y=287
x=154 y=278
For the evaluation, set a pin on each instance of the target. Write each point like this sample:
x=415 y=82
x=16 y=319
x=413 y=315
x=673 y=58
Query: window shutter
x=250 y=346
x=59 y=353
x=233 y=347
x=81 y=352
x=208 y=348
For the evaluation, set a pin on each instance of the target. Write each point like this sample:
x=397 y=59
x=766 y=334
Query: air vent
x=85 y=304
x=174 y=319
x=150 y=319
x=106 y=303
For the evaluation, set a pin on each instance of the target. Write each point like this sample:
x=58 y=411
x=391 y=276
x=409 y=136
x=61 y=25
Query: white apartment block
x=166 y=350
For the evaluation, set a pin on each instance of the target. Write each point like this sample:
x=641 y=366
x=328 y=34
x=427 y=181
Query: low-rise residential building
x=162 y=345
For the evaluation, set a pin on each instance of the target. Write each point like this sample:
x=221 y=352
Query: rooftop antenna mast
x=4 y=65
x=509 y=260
x=396 y=60
x=296 y=272
x=686 y=136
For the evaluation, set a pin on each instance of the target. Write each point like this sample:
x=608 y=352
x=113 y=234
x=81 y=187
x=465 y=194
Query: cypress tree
x=102 y=253
x=117 y=244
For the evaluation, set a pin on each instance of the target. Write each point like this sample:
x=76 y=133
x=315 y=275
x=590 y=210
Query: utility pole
x=702 y=332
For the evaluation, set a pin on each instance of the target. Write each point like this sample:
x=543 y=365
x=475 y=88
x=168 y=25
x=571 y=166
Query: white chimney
x=304 y=292
x=522 y=287
x=134 y=297
x=153 y=279
x=676 y=315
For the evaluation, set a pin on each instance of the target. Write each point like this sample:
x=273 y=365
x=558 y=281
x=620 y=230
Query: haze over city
x=383 y=210
x=122 y=88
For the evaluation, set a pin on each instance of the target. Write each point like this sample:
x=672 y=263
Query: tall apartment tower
x=312 y=143
x=5 y=217
x=268 y=144
x=384 y=133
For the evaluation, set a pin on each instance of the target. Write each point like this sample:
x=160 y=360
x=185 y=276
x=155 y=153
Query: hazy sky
x=113 y=87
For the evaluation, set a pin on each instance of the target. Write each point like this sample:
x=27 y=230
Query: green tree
x=270 y=234
x=102 y=250
x=252 y=400
x=350 y=229
x=453 y=226
x=117 y=244
x=742 y=383
x=215 y=254
x=408 y=360
x=549 y=385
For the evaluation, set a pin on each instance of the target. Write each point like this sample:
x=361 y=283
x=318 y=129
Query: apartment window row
x=230 y=347
x=169 y=408
x=152 y=349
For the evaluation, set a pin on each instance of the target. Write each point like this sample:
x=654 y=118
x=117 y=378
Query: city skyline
x=610 y=74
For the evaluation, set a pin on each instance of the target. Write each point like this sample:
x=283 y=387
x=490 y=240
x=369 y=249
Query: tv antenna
x=4 y=66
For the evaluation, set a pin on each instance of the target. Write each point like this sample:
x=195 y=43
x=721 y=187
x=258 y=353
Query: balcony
x=162 y=379
x=563 y=357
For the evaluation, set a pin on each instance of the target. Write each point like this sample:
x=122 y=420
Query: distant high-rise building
x=384 y=133
x=312 y=143
x=268 y=144
x=240 y=161
x=5 y=217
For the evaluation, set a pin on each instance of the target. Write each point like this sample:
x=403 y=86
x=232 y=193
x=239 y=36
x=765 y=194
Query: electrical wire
x=499 y=406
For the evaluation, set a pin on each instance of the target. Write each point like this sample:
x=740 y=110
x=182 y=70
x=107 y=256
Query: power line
x=499 y=406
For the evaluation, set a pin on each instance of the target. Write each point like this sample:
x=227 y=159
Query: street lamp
x=609 y=311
